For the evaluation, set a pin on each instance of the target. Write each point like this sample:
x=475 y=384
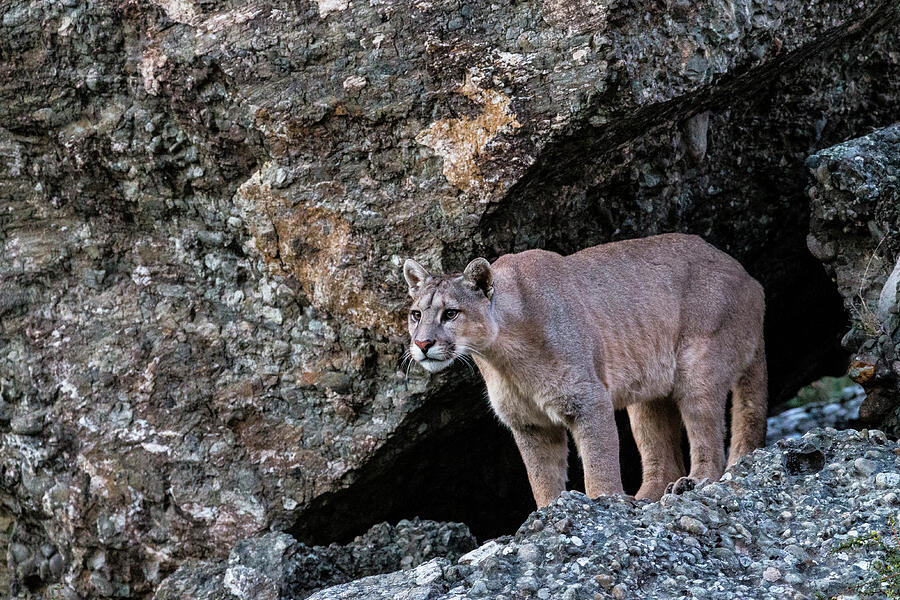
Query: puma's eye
x=415 y=315
x=450 y=314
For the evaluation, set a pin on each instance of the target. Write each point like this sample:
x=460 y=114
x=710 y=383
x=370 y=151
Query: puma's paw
x=683 y=485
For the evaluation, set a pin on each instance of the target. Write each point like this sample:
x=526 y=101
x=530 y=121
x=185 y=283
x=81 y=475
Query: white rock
x=887 y=480
x=477 y=555
x=888 y=296
x=428 y=572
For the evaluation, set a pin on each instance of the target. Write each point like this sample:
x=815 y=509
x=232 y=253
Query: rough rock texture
x=775 y=527
x=203 y=207
x=855 y=232
x=277 y=566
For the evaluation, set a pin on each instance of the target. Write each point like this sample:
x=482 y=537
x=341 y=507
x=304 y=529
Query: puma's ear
x=415 y=275
x=478 y=274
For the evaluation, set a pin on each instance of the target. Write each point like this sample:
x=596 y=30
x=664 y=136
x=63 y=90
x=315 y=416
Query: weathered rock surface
x=276 y=566
x=788 y=521
x=203 y=207
x=855 y=232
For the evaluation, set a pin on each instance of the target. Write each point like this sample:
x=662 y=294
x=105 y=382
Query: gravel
x=794 y=422
x=767 y=530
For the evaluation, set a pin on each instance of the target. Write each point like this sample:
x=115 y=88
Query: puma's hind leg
x=704 y=377
x=748 y=408
x=704 y=420
x=656 y=427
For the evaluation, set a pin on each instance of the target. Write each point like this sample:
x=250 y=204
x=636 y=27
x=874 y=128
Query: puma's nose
x=424 y=345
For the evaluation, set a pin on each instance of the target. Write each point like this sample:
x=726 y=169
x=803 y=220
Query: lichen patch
x=317 y=246
x=152 y=63
x=578 y=16
x=460 y=142
x=181 y=11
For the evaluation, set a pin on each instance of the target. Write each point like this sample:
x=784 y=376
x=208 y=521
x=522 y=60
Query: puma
x=662 y=326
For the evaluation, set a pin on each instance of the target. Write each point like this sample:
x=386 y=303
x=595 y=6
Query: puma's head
x=450 y=314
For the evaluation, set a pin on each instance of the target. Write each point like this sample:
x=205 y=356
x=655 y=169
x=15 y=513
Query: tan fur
x=663 y=326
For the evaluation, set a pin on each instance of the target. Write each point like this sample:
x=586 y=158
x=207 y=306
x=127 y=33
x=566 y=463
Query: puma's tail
x=748 y=408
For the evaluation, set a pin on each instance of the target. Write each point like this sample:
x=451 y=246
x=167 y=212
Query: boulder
x=855 y=232
x=275 y=565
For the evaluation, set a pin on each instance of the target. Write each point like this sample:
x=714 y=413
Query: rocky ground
x=701 y=530
x=794 y=520
x=840 y=413
x=777 y=526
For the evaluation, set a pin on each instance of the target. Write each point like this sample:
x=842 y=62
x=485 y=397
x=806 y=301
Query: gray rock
x=203 y=211
x=781 y=555
x=864 y=466
x=28 y=423
x=854 y=200
x=692 y=525
x=887 y=480
x=794 y=422
x=276 y=566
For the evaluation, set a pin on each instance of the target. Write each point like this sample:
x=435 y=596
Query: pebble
x=864 y=466
x=529 y=584
x=563 y=525
x=529 y=553
x=887 y=480
x=692 y=525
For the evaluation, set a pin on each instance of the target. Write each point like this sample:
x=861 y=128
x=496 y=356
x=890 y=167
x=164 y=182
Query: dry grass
x=860 y=308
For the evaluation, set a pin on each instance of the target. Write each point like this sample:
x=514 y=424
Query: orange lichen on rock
x=318 y=247
x=461 y=141
x=861 y=371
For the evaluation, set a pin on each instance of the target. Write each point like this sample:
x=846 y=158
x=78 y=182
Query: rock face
x=794 y=520
x=204 y=206
x=277 y=566
x=855 y=232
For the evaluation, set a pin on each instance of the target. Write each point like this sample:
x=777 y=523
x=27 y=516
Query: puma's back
x=638 y=306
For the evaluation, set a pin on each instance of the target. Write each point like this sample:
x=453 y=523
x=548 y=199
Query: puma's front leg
x=545 y=453
x=593 y=426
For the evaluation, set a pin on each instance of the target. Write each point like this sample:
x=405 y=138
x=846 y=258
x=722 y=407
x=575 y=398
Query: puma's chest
x=525 y=400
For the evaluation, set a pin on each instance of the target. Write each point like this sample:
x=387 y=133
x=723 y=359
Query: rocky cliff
x=855 y=232
x=203 y=208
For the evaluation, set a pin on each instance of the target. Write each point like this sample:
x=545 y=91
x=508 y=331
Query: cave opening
x=471 y=474
x=467 y=468
x=744 y=197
